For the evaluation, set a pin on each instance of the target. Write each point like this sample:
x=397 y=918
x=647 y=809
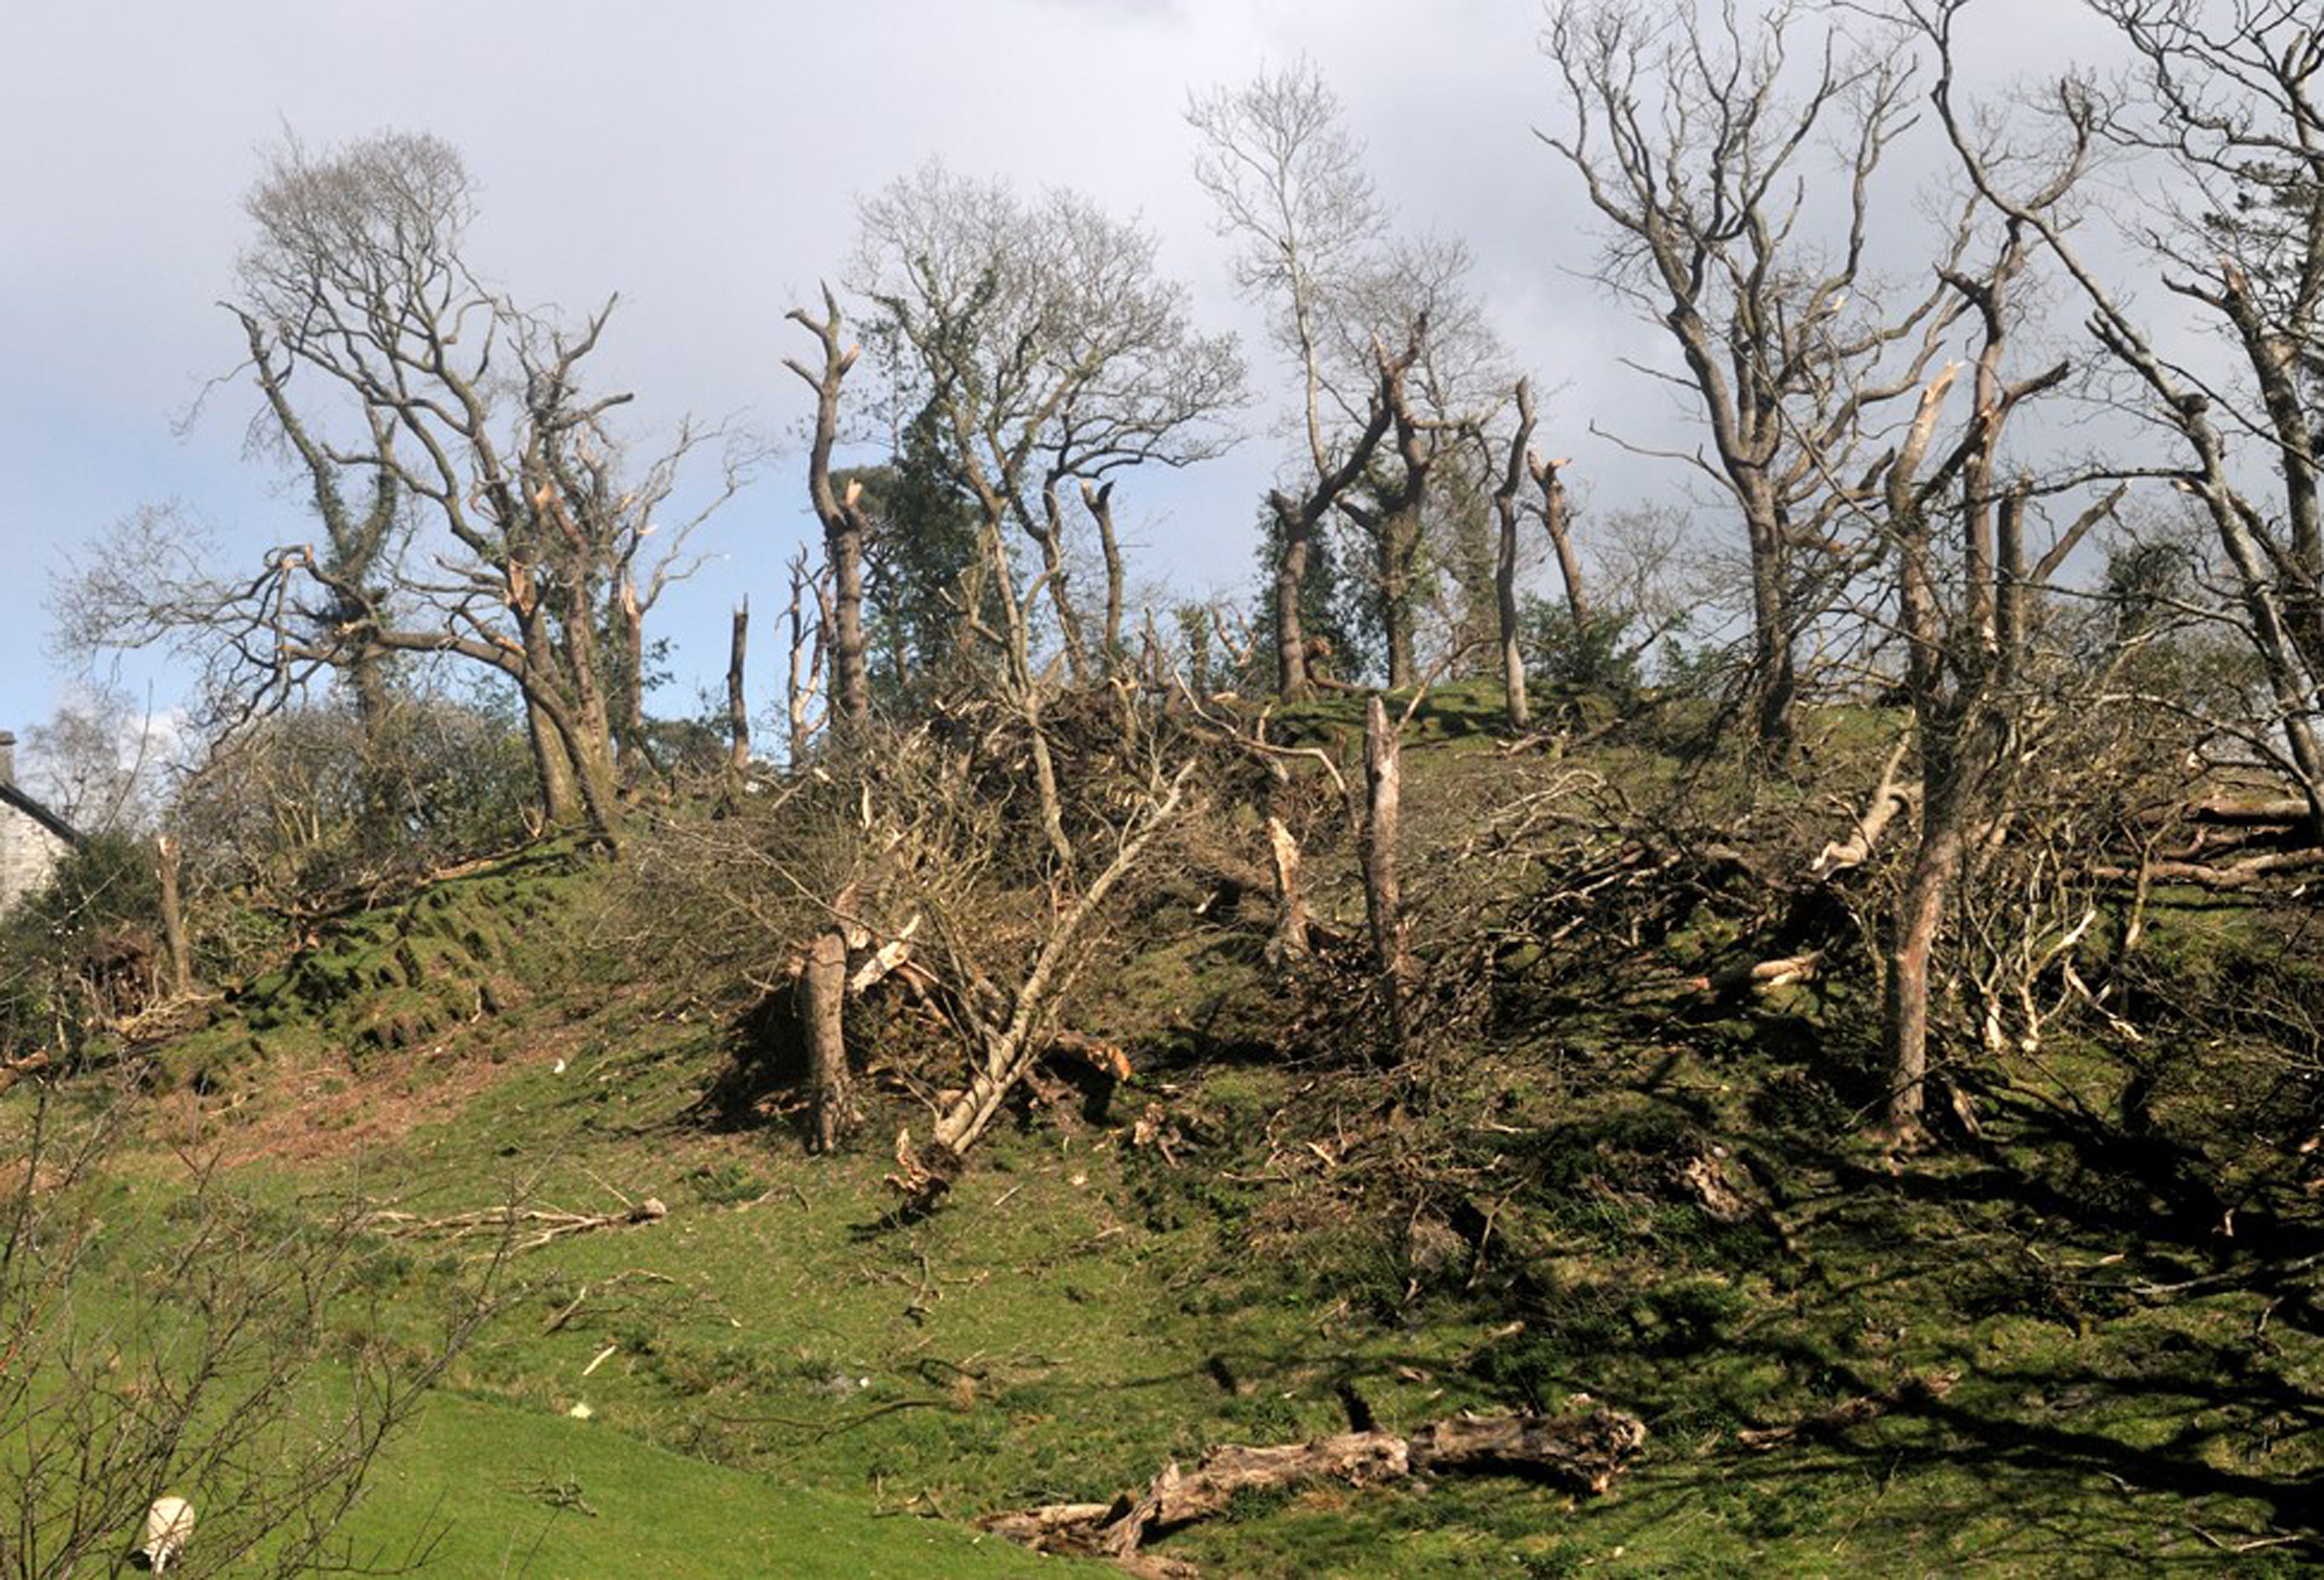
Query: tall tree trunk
x=1051 y=541
x=1100 y=502
x=560 y=791
x=1557 y=519
x=592 y=754
x=1773 y=681
x=845 y=523
x=366 y=672
x=585 y=725
x=850 y=672
x=1399 y=547
x=1292 y=680
x=629 y=694
x=1517 y=706
x=738 y=706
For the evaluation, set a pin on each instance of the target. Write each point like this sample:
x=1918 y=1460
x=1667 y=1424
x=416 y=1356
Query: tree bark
x=1049 y=536
x=166 y=854
x=738 y=706
x=1505 y=564
x=561 y=793
x=1399 y=549
x=1920 y=919
x=629 y=697
x=1100 y=502
x=1292 y=940
x=844 y=522
x=1383 y=896
x=1557 y=520
x=366 y=672
x=822 y=1006
x=1775 y=685
x=1292 y=681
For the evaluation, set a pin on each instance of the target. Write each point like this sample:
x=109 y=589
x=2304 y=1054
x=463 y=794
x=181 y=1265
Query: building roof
x=10 y=795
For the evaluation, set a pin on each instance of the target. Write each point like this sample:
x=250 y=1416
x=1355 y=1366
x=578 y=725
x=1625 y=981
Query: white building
x=32 y=839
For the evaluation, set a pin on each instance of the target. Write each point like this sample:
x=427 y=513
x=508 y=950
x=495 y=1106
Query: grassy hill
x=2064 y=1344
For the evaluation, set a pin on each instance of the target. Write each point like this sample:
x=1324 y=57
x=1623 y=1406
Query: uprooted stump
x=1587 y=1452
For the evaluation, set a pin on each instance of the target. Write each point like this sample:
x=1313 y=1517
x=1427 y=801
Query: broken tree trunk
x=822 y=998
x=1505 y=563
x=1383 y=897
x=174 y=916
x=1587 y=1452
x=1291 y=939
x=738 y=705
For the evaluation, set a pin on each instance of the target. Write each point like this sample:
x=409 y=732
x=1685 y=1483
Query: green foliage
x=1595 y=657
x=76 y=950
x=917 y=559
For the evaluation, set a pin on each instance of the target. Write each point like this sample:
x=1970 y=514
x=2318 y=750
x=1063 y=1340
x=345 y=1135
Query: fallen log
x=1586 y=1452
x=2226 y=809
x=2235 y=875
x=1762 y=976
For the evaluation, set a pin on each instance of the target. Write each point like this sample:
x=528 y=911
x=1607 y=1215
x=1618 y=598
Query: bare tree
x=1695 y=153
x=360 y=543
x=1289 y=185
x=840 y=509
x=1048 y=348
x=1966 y=589
x=447 y=395
x=2229 y=102
x=1507 y=513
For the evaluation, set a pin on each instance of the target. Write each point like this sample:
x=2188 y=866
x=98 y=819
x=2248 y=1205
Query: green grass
x=485 y=1488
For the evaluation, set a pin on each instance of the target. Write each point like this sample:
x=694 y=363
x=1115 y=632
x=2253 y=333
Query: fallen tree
x=1585 y=1452
x=1011 y=1030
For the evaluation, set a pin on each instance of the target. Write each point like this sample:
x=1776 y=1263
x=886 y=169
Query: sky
x=703 y=158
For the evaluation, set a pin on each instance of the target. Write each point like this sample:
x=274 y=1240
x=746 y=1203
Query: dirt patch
x=325 y=1108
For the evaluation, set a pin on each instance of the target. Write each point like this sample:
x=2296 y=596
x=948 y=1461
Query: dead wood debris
x=1703 y=1178
x=1585 y=1451
x=1762 y=975
x=12 y=1071
x=526 y=1228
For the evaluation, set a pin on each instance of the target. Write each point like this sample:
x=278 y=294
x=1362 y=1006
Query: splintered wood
x=1587 y=1452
